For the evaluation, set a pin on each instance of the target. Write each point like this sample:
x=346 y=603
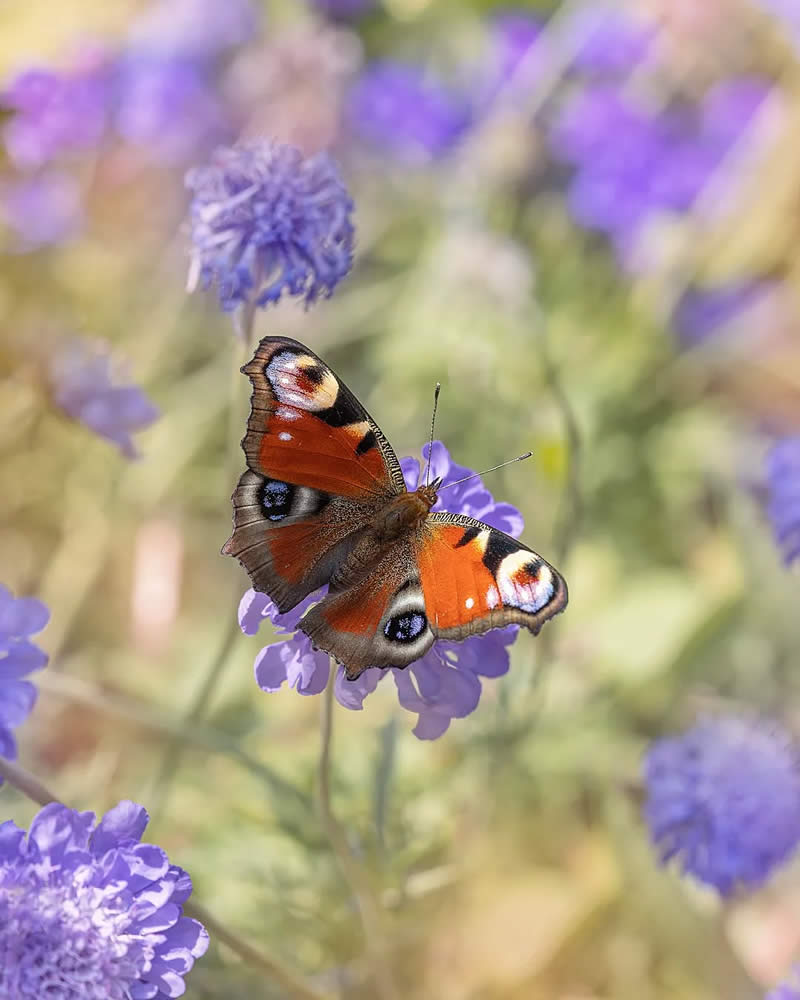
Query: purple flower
x=406 y=113
x=783 y=477
x=659 y=160
x=724 y=800
x=610 y=41
x=265 y=220
x=81 y=381
x=193 y=29
x=87 y=912
x=789 y=990
x=510 y=38
x=168 y=108
x=20 y=618
x=43 y=209
x=55 y=113
x=442 y=685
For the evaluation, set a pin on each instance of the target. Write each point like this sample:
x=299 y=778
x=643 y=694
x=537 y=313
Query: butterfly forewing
x=318 y=469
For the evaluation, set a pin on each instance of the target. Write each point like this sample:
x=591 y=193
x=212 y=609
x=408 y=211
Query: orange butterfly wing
x=453 y=578
x=318 y=469
x=475 y=578
x=307 y=428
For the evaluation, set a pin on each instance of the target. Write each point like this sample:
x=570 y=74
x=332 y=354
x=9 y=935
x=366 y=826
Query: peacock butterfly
x=323 y=501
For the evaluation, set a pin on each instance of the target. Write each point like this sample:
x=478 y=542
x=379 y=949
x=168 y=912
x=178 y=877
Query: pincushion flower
x=82 y=384
x=407 y=113
x=723 y=800
x=55 y=113
x=88 y=912
x=659 y=160
x=42 y=209
x=168 y=108
x=442 y=685
x=783 y=477
x=20 y=618
x=200 y=30
x=265 y=220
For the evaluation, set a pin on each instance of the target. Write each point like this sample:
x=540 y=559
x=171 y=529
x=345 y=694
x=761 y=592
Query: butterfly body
x=323 y=502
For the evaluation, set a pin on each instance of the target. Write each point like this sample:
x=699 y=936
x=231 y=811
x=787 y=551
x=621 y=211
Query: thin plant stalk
x=369 y=909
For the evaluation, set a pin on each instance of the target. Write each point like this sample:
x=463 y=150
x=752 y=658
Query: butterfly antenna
x=494 y=468
x=436 y=392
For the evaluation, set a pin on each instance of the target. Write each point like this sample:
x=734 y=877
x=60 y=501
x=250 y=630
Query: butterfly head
x=429 y=493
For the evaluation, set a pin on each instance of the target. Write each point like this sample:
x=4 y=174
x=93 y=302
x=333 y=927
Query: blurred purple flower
x=658 y=161
x=20 y=618
x=169 y=108
x=266 y=220
x=406 y=113
x=55 y=113
x=609 y=41
x=81 y=381
x=510 y=38
x=702 y=312
x=43 y=209
x=783 y=477
x=193 y=29
x=789 y=990
x=724 y=800
x=442 y=685
x=87 y=911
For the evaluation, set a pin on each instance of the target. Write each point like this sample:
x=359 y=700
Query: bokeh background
x=583 y=220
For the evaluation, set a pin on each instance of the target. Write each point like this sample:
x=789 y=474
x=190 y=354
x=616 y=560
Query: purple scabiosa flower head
x=292 y=661
x=194 y=29
x=82 y=385
x=660 y=159
x=87 y=912
x=168 y=108
x=20 y=618
x=42 y=209
x=267 y=220
x=510 y=37
x=406 y=113
x=783 y=478
x=54 y=113
x=723 y=799
x=442 y=685
x=610 y=41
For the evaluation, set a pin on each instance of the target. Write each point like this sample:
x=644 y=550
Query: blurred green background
x=508 y=859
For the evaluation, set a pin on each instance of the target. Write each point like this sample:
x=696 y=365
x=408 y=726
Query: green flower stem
x=25 y=782
x=295 y=987
x=369 y=909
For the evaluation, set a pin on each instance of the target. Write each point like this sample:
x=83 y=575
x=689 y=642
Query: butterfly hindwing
x=380 y=622
x=475 y=578
x=318 y=469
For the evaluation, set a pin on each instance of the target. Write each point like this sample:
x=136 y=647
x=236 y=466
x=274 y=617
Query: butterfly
x=323 y=502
